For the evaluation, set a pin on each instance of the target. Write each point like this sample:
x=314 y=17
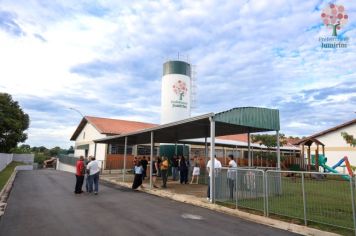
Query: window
x=120 y=149
x=146 y=150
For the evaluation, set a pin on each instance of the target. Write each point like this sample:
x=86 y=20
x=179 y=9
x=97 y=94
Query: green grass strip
x=6 y=173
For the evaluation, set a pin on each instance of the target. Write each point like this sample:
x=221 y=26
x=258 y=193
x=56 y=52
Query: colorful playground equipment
x=322 y=162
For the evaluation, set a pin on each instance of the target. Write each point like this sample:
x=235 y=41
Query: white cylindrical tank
x=176 y=91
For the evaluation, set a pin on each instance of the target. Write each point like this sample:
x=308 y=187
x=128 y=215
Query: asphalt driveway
x=42 y=202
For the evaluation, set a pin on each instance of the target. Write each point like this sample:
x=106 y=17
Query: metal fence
x=323 y=198
x=69 y=160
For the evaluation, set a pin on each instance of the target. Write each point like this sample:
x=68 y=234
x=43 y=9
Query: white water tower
x=176 y=91
x=175 y=101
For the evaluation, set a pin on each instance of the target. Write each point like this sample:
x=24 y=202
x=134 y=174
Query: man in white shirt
x=217 y=166
x=94 y=170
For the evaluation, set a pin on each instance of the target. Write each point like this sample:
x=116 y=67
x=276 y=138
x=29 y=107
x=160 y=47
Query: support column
x=317 y=158
x=278 y=152
x=249 y=149
x=151 y=160
x=95 y=150
x=206 y=150
x=323 y=148
x=125 y=157
x=212 y=156
x=309 y=160
x=302 y=156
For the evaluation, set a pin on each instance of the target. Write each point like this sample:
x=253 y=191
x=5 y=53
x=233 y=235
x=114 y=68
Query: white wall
x=25 y=158
x=336 y=147
x=5 y=159
x=65 y=167
x=91 y=133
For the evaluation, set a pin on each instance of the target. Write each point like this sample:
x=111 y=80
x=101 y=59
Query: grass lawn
x=6 y=173
x=328 y=203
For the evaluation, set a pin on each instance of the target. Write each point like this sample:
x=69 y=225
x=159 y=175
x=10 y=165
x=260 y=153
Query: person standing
x=174 y=168
x=159 y=160
x=138 y=176
x=79 y=175
x=94 y=170
x=196 y=170
x=144 y=164
x=231 y=175
x=164 y=171
x=154 y=172
x=183 y=169
x=217 y=166
x=86 y=162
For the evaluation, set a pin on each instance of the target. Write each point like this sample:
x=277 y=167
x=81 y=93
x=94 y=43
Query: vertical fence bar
x=304 y=201
x=237 y=191
x=264 y=193
x=353 y=204
x=267 y=214
x=125 y=157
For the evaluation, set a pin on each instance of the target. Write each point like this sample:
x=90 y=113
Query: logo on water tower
x=180 y=88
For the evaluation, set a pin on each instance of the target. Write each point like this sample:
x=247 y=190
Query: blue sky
x=105 y=59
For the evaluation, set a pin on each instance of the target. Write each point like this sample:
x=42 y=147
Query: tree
x=269 y=141
x=55 y=151
x=335 y=17
x=24 y=148
x=13 y=123
x=349 y=139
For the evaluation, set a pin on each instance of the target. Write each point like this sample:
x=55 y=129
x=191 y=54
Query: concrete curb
x=299 y=229
x=5 y=192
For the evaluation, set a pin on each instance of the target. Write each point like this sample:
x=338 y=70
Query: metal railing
x=69 y=160
x=243 y=188
x=323 y=198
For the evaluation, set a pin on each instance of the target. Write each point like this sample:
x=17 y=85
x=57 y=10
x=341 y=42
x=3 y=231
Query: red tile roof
x=235 y=137
x=110 y=126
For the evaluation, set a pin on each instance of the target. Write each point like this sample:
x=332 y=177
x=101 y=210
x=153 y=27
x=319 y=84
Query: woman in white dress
x=196 y=171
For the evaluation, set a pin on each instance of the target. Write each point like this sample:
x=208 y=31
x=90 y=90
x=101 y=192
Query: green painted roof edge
x=253 y=117
x=177 y=67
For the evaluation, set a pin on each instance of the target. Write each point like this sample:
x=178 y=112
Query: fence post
x=237 y=191
x=266 y=191
x=304 y=201
x=353 y=203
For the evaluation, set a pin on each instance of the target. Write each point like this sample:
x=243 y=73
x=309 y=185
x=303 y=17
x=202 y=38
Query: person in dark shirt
x=144 y=164
x=175 y=170
x=183 y=168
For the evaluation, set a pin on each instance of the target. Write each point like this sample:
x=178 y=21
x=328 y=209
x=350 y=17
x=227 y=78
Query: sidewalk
x=195 y=194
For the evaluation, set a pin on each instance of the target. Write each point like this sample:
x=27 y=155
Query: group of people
x=90 y=170
x=160 y=167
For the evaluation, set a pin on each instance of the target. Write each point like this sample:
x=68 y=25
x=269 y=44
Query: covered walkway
x=235 y=121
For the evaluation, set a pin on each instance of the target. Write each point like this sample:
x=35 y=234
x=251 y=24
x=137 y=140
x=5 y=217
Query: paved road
x=42 y=203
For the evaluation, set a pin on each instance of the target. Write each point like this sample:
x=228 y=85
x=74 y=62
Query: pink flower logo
x=335 y=17
x=180 y=88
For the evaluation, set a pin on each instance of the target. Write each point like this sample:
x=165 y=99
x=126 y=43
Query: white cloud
x=105 y=58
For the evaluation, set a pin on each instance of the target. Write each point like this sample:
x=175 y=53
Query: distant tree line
x=42 y=153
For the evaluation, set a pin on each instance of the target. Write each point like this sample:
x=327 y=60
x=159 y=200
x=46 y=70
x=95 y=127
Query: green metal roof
x=253 y=117
x=235 y=121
